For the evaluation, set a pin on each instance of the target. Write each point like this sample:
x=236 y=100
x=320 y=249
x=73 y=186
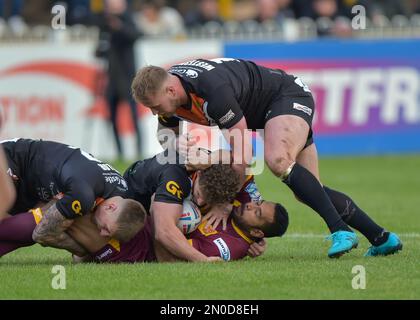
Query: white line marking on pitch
x=315 y=235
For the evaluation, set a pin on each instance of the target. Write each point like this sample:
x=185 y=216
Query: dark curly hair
x=219 y=184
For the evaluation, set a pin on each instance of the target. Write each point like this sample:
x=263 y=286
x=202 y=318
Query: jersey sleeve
x=223 y=108
x=169 y=122
x=174 y=186
x=249 y=192
x=79 y=199
x=221 y=245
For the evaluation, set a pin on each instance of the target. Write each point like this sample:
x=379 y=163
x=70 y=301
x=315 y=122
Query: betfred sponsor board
x=367 y=93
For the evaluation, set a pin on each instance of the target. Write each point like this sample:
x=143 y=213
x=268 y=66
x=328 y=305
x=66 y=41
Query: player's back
x=152 y=176
x=45 y=169
x=33 y=156
x=253 y=86
x=34 y=162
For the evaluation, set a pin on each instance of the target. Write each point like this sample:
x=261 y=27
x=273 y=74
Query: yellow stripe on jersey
x=37 y=213
x=240 y=232
x=190 y=242
x=115 y=244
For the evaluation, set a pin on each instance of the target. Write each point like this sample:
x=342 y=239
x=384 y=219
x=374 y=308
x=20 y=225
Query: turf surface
x=294 y=267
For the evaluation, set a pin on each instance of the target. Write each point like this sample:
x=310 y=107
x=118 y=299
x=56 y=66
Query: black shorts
x=295 y=99
x=23 y=203
x=24 y=200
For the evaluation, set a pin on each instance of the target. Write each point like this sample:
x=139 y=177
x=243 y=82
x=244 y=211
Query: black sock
x=308 y=189
x=356 y=218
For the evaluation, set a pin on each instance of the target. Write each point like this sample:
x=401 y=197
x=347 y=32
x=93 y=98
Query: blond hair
x=147 y=82
x=130 y=220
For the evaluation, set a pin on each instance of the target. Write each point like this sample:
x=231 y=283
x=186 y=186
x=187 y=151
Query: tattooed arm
x=51 y=232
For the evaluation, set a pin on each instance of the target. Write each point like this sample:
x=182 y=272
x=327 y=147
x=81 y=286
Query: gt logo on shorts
x=77 y=207
x=174 y=189
x=303 y=108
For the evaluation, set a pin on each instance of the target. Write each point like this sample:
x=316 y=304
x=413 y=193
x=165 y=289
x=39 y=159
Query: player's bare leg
x=285 y=137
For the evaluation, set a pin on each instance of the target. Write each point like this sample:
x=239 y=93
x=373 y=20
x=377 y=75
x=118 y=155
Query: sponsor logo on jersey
x=198 y=63
x=173 y=188
x=303 y=108
x=253 y=192
x=227 y=117
x=191 y=74
x=43 y=193
x=223 y=249
x=76 y=207
x=104 y=254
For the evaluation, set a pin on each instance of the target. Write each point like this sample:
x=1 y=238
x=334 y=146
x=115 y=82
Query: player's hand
x=257 y=248
x=198 y=158
x=184 y=142
x=218 y=214
x=214 y=259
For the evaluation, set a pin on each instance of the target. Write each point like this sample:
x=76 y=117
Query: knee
x=279 y=163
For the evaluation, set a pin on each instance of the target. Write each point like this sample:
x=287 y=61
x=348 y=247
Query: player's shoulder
x=198 y=73
x=177 y=173
x=18 y=143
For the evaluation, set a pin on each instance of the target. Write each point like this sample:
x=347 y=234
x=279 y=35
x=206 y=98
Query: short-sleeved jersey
x=46 y=169
x=232 y=243
x=222 y=91
x=249 y=192
x=138 y=249
x=229 y=244
x=171 y=183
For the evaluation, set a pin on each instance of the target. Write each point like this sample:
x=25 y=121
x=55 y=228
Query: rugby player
x=170 y=184
x=239 y=95
x=252 y=219
x=251 y=214
x=46 y=170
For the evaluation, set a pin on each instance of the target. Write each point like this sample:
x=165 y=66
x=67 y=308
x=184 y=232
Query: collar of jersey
x=241 y=233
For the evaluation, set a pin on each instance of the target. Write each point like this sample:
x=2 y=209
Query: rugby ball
x=190 y=217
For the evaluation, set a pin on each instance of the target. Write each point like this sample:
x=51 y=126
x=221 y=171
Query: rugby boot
x=342 y=242
x=391 y=246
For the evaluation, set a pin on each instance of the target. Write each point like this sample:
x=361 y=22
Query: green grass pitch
x=294 y=267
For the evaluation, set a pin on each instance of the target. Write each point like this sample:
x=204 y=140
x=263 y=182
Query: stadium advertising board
x=367 y=92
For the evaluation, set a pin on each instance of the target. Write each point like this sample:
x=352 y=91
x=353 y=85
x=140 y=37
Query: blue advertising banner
x=367 y=92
